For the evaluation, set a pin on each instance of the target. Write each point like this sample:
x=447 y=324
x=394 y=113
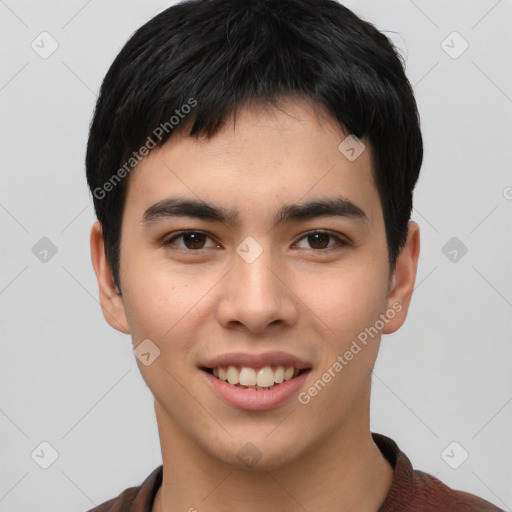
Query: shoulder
x=417 y=491
x=135 y=499
x=432 y=494
x=121 y=503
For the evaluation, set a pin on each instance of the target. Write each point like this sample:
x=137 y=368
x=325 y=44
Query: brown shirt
x=411 y=490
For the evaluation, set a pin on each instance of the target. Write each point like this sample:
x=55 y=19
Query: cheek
x=350 y=306
x=166 y=305
x=354 y=299
x=162 y=305
x=346 y=299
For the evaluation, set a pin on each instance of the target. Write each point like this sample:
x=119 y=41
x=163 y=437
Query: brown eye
x=320 y=241
x=192 y=240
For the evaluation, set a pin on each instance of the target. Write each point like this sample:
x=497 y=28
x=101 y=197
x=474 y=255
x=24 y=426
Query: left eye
x=320 y=238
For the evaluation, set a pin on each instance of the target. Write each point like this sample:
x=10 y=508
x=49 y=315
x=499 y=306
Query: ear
x=402 y=280
x=111 y=300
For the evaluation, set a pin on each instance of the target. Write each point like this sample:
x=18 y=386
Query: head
x=241 y=107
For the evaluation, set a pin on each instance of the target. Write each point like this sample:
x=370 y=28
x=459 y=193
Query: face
x=244 y=279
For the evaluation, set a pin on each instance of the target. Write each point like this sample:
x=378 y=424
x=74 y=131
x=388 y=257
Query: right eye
x=192 y=240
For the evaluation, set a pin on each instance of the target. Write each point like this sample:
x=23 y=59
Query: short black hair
x=207 y=58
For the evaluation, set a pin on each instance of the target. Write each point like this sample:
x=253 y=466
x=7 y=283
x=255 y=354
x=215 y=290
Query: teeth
x=247 y=376
x=253 y=378
x=265 y=377
x=232 y=375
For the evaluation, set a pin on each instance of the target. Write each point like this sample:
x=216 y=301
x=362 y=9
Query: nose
x=257 y=295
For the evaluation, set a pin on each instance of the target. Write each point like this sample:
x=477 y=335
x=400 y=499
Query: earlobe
x=403 y=280
x=111 y=300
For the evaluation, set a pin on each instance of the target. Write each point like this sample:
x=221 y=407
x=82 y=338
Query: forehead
x=261 y=157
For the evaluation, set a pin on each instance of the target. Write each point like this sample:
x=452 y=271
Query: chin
x=258 y=453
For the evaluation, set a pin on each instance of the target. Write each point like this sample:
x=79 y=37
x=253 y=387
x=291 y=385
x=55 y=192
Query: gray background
x=69 y=379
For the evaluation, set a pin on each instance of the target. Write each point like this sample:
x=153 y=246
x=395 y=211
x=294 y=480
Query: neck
x=346 y=472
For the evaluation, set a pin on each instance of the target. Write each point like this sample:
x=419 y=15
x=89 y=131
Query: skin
x=298 y=297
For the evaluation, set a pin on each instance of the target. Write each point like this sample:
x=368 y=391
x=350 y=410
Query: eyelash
x=341 y=243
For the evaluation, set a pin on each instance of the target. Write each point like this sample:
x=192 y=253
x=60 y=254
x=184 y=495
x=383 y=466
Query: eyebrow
x=175 y=207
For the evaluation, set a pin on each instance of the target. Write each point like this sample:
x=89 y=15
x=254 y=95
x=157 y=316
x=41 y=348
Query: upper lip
x=256 y=360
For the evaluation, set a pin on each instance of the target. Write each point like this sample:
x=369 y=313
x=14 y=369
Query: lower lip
x=256 y=400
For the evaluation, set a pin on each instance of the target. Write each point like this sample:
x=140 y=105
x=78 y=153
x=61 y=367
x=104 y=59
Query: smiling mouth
x=264 y=378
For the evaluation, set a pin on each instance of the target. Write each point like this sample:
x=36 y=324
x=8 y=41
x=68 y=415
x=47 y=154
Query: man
x=252 y=165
